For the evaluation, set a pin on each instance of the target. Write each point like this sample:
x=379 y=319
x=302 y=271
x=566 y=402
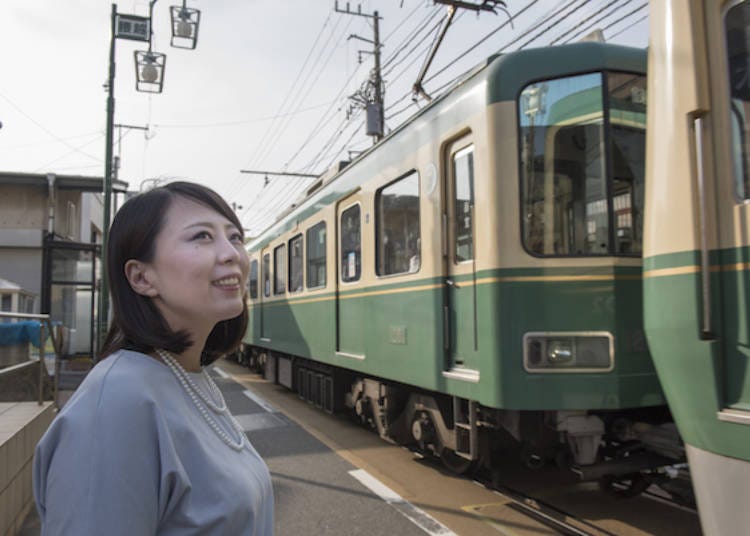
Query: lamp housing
x=149 y=71
x=185 y=23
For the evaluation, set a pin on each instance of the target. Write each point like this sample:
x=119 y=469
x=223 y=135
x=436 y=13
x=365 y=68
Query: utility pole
x=371 y=97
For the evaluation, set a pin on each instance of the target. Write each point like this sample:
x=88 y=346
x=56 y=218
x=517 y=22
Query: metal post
x=103 y=317
x=377 y=77
x=42 y=327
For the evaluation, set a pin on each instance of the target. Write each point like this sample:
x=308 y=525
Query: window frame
x=308 y=271
x=266 y=274
x=378 y=217
x=606 y=153
x=252 y=284
x=300 y=237
x=340 y=275
x=279 y=283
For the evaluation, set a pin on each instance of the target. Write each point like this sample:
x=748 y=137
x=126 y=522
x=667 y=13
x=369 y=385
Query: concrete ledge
x=22 y=424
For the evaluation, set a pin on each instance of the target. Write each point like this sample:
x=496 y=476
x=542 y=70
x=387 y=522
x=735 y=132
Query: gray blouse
x=130 y=454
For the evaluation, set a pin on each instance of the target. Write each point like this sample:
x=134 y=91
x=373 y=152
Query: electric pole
x=371 y=96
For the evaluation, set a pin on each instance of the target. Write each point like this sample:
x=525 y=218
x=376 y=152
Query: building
x=50 y=231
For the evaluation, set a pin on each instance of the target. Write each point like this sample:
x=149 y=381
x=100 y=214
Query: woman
x=146 y=446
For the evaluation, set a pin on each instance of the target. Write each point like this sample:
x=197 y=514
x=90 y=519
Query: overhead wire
x=305 y=95
x=291 y=89
x=566 y=10
x=590 y=24
x=586 y=22
x=45 y=129
x=639 y=20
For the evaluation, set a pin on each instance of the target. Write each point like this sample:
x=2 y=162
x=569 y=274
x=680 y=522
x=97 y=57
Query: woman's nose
x=228 y=251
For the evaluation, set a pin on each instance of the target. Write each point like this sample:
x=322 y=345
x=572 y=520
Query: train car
x=472 y=283
x=697 y=242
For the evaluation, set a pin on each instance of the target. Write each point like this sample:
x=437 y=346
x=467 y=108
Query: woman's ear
x=136 y=272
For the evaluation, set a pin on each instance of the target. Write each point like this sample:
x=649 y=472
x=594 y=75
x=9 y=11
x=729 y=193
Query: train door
x=733 y=178
x=265 y=293
x=350 y=306
x=459 y=228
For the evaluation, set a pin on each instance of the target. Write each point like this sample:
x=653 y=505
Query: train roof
x=503 y=76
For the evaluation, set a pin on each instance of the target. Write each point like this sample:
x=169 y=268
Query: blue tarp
x=21 y=332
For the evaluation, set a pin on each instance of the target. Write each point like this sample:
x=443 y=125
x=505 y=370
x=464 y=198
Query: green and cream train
x=697 y=243
x=473 y=281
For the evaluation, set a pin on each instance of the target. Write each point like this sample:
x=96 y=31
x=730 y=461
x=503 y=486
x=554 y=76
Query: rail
x=56 y=345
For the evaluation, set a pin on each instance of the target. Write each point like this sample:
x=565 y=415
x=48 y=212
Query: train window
x=463 y=190
x=279 y=268
x=267 y=274
x=627 y=118
x=295 y=264
x=574 y=200
x=351 y=245
x=316 y=255
x=252 y=284
x=397 y=226
x=737 y=28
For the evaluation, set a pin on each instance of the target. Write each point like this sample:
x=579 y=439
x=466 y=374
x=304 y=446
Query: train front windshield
x=582 y=147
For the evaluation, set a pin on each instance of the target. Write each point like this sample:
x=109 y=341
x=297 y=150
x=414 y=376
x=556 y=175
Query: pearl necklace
x=203 y=401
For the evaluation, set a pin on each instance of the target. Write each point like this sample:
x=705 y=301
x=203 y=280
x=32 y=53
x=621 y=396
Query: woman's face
x=199 y=270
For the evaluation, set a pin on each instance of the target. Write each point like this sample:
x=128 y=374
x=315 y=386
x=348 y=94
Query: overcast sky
x=256 y=60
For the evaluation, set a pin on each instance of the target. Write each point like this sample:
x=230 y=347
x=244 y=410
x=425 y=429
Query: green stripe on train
x=400 y=332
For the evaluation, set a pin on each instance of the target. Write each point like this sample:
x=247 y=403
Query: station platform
x=22 y=424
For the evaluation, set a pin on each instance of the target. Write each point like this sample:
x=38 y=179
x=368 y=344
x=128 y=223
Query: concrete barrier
x=22 y=424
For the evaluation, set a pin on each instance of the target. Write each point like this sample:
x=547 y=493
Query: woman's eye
x=202 y=235
x=236 y=237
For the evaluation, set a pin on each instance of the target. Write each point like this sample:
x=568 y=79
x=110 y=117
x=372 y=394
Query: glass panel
x=564 y=187
x=267 y=274
x=279 y=268
x=6 y=304
x=70 y=265
x=316 y=256
x=737 y=26
x=71 y=306
x=398 y=242
x=351 y=254
x=253 y=281
x=295 y=264
x=463 y=187
x=627 y=118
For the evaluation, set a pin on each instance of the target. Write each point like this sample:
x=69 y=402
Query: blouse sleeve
x=97 y=469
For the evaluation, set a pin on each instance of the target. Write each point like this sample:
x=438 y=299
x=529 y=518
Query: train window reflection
x=463 y=203
x=267 y=275
x=737 y=27
x=351 y=245
x=316 y=255
x=252 y=283
x=295 y=264
x=279 y=268
x=582 y=164
x=397 y=226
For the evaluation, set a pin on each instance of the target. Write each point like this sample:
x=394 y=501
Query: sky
x=266 y=88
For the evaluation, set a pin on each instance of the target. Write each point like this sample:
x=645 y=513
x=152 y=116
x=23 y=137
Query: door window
x=737 y=29
x=351 y=245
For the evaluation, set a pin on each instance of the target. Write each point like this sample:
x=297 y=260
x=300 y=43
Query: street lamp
x=149 y=67
x=149 y=71
x=185 y=23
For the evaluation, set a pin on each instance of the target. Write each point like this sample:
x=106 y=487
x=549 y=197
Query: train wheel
x=455 y=463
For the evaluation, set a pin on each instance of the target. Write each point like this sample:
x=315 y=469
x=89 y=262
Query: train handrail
x=705 y=270
x=44 y=318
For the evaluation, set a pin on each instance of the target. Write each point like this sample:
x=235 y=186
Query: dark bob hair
x=137 y=323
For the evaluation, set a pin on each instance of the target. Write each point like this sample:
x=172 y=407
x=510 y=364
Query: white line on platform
x=258 y=400
x=417 y=516
x=221 y=373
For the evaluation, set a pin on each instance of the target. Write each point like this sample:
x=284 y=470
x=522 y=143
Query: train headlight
x=568 y=352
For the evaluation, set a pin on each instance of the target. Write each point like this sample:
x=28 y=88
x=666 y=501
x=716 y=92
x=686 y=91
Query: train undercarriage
x=625 y=451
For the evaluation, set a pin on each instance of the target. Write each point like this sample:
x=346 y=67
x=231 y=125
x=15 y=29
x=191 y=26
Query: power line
x=644 y=17
x=586 y=21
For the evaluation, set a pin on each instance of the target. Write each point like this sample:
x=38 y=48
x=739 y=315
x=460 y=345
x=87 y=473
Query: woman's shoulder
x=125 y=377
